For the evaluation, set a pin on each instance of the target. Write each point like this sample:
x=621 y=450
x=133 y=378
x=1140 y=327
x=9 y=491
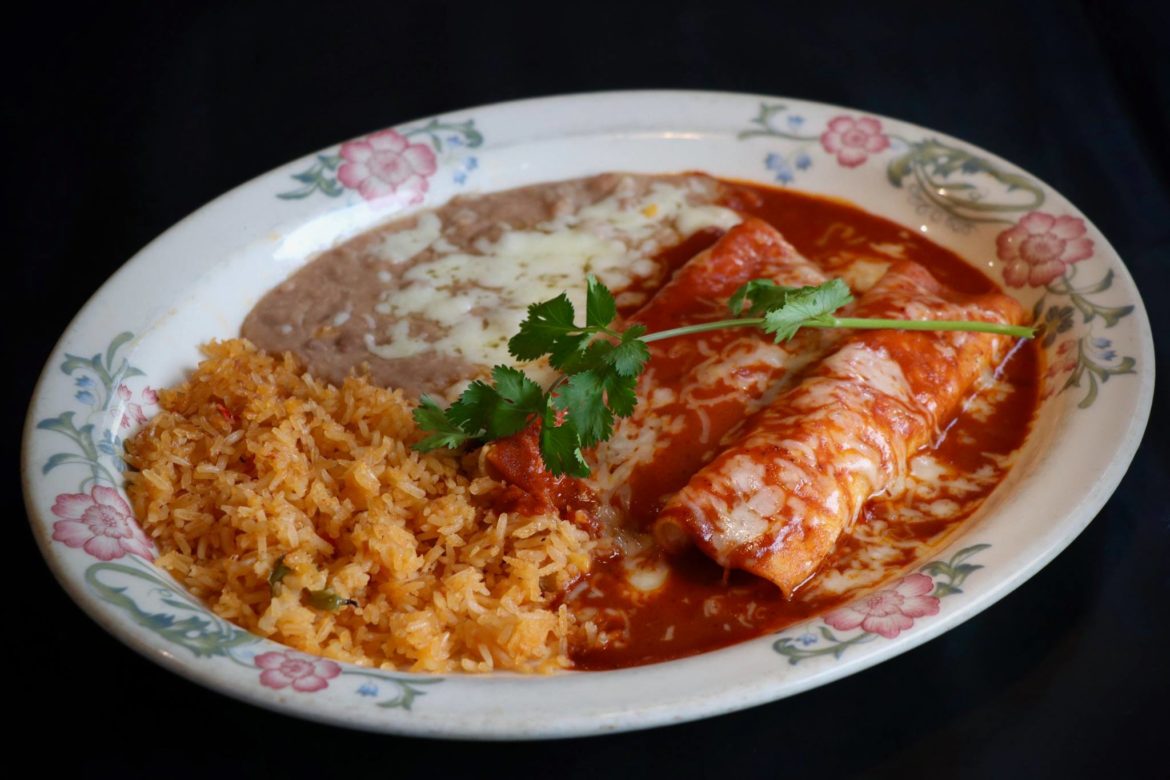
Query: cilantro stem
x=687 y=330
x=865 y=323
x=859 y=323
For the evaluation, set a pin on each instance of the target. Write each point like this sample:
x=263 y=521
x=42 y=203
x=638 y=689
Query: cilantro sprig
x=599 y=370
x=599 y=366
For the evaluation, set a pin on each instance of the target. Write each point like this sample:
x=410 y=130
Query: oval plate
x=198 y=280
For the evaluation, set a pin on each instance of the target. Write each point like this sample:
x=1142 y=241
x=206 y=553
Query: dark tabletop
x=120 y=123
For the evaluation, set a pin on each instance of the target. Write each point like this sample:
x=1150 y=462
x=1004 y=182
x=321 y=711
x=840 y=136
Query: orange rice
x=251 y=460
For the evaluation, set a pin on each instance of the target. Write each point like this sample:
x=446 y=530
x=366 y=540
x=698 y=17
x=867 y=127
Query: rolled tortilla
x=776 y=500
x=698 y=291
x=697 y=388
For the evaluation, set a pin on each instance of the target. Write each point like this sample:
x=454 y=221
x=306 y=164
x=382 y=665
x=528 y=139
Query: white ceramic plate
x=199 y=279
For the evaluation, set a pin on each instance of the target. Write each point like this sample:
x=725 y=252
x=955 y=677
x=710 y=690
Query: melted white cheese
x=401 y=245
x=481 y=299
x=863 y=273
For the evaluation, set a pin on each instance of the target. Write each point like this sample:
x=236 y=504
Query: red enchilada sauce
x=701 y=606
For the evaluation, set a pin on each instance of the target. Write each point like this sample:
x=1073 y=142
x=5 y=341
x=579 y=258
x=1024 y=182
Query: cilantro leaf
x=583 y=397
x=560 y=447
x=568 y=348
x=620 y=395
x=473 y=408
x=444 y=432
x=806 y=306
x=518 y=398
x=494 y=412
x=600 y=307
x=630 y=356
x=760 y=295
x=547 y=322
x=516 y=388
x=590 y=358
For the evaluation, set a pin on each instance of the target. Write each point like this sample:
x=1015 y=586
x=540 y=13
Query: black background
x=120 y=121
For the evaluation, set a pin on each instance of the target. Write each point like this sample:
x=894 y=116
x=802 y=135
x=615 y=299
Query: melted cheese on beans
x=481 y=298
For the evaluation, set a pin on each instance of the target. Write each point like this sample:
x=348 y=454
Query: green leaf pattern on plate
x=100 y=388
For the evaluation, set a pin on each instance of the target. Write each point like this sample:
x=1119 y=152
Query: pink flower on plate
x=1040 y=247
x=100 y=523
x=303 y=673
x=854 y=140
x=890 y=611
x=384 y=164
x=134 y=414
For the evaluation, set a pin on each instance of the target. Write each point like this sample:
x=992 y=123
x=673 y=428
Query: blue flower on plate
x=465 y=167
x=109 y=443
x=85 y=396
x=367 y=689
x=780 y=166
x=795 y=121
x=454 y=140
x=803 y=161
x=807 y=639
x=84 y=381
x=1101 y=343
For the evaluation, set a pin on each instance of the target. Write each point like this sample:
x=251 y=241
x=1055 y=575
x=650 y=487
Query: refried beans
x=428 y=302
